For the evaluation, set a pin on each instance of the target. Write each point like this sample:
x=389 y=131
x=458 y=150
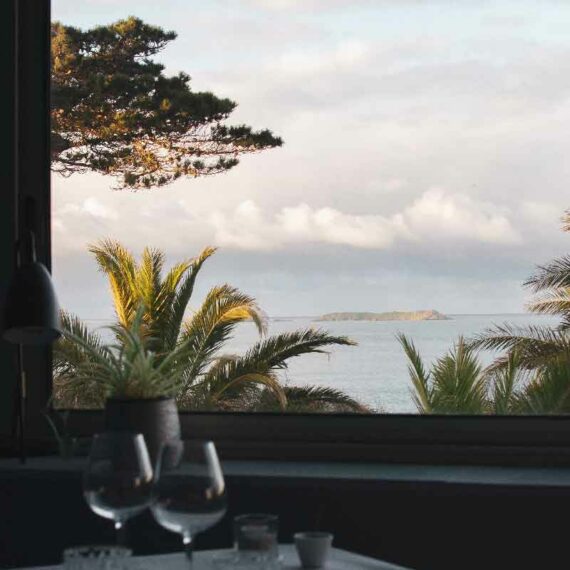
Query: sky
x=424 y=165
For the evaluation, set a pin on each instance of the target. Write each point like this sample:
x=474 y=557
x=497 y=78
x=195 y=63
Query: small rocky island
x=429 y=315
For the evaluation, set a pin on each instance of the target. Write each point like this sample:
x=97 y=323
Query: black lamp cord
x=25 y=252
x=21 y=391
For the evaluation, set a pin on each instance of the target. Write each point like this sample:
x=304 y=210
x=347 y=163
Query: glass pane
x=380 y=179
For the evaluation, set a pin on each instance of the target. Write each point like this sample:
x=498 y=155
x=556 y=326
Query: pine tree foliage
x=114 y=111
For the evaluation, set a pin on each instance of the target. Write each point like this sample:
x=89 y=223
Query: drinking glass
x=118 y=481
x=190 y=494
x=255 y=536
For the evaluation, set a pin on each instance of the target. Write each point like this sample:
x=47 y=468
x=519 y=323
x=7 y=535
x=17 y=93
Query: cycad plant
x=161 y=348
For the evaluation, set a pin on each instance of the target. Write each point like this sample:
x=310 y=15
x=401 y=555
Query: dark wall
x=24 y=172
x=7 y=199
x=424 y=526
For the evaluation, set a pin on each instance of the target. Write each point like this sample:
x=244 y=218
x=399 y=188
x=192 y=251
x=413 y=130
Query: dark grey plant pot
x=157 y=419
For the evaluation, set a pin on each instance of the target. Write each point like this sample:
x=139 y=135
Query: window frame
x=26 y=175
x=348 y=437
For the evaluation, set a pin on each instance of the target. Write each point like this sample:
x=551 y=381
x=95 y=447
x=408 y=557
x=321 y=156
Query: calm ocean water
x=375 y=371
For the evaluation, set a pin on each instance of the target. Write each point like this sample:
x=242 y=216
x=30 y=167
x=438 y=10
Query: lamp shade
x=32 y=312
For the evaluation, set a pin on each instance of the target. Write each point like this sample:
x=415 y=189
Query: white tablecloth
x=339 y=560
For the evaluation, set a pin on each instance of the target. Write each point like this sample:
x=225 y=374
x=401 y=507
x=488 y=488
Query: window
x=336 y=233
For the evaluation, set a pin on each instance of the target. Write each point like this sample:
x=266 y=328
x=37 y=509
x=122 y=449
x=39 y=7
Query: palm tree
x=538 y=346
x=458 y=384
x=152 y=323
x=532 y=376
x=455 y=384
x=311 y=399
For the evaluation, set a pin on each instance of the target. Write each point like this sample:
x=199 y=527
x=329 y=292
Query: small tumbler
x=255 y=537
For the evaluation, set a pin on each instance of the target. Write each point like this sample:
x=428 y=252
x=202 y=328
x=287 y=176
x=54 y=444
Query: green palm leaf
x=505 y=382
x=556 y=274
x=422 y=394
x=455 y=384
x=266 y=357
x=211 y=326
x=119 y=265
x=148 y=280
x=566 y=221
x=535 y=344
x=549 y=391
x=310 y=399
x=458 y=383
x=182 y=297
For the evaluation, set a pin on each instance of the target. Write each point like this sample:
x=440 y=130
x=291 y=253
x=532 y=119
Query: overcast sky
x=425 y=160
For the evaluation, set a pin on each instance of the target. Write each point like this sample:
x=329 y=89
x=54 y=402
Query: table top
x=205 y=560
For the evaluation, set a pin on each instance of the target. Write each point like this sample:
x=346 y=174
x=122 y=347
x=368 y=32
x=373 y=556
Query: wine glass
x=117 y=483
x=189 y=494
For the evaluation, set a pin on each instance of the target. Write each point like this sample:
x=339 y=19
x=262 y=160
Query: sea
x=374 y=371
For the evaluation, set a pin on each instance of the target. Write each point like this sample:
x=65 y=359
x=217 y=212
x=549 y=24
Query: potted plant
x=140 y=384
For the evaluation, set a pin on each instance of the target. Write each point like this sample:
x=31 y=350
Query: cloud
x=436 y=216
x=90 y=207
x=458 y=216
x=436 y=153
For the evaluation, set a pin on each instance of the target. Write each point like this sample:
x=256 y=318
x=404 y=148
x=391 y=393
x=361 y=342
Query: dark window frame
x=390 y=438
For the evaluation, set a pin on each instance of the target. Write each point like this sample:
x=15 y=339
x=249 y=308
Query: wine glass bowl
x=189 y=493
x=118 y=481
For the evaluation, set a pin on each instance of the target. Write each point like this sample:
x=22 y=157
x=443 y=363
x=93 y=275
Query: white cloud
x=344 y=56
x=434 y=217
x=460 y=217
x=90 y=207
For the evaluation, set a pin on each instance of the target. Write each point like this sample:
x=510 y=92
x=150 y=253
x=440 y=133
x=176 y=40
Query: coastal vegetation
x=161 y=348
x=429 y=315
x=530 y=376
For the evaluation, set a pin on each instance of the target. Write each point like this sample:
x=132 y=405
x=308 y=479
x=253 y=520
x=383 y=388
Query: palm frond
x=420 y=378
x=556 y=274
x=183 y=296
x=230 y=388
x=553 y=302
x=549 y=391
x=566 y=221
x=458 y=383
x=505 y=382
x=268 y=356
x=165 y=297
x=68 y=354
x=535 y=344
x=211 y=326
x=121 y=269
x=278 y=349
x=311 y=399
x=148 y=280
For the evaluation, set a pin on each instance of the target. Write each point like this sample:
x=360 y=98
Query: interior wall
x=7 y=200
x=425 y=526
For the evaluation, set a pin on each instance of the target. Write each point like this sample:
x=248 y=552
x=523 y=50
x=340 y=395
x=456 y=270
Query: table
x=339 y=560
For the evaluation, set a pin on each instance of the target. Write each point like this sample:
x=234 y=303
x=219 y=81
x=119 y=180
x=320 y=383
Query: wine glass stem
x=121 y=533
x=188 y=548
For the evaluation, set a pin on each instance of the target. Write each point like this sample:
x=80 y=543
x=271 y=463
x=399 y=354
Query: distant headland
x=430 y=315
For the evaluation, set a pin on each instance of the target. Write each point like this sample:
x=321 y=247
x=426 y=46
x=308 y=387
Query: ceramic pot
x=157 y=419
